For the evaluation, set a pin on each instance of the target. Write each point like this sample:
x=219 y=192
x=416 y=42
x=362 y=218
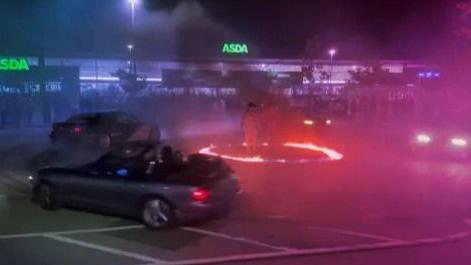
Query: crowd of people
x=27 y=110
x=261 y=123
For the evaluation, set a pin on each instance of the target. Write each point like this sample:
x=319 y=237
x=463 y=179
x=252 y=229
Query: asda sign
x=14 y=64
x=235 y=48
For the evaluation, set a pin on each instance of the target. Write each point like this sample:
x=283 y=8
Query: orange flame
x=330 y=153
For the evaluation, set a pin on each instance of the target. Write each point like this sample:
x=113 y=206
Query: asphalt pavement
x=376 y=206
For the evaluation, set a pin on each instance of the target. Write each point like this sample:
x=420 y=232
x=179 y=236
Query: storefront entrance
x=38 y=96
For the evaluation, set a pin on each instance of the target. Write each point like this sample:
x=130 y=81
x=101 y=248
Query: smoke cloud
x=188 y=30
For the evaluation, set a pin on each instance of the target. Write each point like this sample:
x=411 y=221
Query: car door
x=123 y=126
x=113 y=184
x=77 y=188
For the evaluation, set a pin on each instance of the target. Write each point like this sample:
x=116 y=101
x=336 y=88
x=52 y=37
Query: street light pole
x=132 y=67
x=332 y=52
x=133 y=8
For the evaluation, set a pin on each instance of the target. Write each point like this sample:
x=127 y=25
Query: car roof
x=90 y=115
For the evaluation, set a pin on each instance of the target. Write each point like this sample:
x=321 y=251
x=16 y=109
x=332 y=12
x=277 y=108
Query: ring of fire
x=330 y=154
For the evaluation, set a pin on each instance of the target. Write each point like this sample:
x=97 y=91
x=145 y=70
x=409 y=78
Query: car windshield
x=313 y=132
x=128 y=152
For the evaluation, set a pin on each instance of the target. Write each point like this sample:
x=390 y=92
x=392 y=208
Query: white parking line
x=69 y=232
x=281 y=253
x=105 y=249
x=5 y=196
x=314 y=251
x=359 y=234
x=459 y=235
x=235 y=238
x=97 y=230
x=24 y=235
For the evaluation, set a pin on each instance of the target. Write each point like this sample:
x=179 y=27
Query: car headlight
x=32 y=179
x=328 y=122
x=459 y=142
x=308 y=122
x=423 y=138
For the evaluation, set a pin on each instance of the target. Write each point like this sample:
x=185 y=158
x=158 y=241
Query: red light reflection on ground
x=330 y=153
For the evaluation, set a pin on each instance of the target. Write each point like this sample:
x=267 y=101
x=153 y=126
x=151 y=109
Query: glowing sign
x=14 y=64
x=235 y=48
x=429 y=75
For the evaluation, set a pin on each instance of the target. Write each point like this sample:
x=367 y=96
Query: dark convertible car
x=103 y=129
x=143 y=181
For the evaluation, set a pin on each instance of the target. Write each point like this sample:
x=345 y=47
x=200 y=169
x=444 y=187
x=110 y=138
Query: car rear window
x=83 y=118
x=126 y=118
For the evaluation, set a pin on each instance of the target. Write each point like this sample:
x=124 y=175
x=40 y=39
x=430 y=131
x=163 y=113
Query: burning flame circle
x=331 y=154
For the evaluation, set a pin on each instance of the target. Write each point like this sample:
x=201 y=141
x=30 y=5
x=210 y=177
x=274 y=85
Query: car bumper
x=197 y=211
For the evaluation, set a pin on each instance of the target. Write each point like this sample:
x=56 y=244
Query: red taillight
x=200 y=194
x=77 y=130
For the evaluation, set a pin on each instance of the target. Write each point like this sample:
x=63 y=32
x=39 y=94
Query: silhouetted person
x=170 y=160
x=249 y=124
x=28 y=110
x=46 y=109
x=270 y=121
x=3 y=110
x=166 y=155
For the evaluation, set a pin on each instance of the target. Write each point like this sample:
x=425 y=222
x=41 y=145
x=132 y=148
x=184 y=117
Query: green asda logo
x=238 y=48
x=14 y=64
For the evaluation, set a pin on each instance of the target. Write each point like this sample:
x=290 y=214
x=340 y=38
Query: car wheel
x=158 y=214
x=105 y=141
x=46 y=198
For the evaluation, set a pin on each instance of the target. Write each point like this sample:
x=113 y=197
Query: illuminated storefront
x=30 y=94
x=66 y=85
x=223 y=74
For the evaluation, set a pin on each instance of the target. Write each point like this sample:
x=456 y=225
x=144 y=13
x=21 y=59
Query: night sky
x=388 y=29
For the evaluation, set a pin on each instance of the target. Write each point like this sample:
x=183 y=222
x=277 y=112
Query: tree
x=372 y=75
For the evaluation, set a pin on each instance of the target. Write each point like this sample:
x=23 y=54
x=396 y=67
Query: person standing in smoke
x=270 y=122
x=249 y=124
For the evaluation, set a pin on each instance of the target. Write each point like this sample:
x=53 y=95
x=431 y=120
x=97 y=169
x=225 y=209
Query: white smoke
x=187 y=27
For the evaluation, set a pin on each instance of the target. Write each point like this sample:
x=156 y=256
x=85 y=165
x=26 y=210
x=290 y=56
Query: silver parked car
x=143 y=181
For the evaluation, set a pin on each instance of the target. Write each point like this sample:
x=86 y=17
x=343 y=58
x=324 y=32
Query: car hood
x=55 y=170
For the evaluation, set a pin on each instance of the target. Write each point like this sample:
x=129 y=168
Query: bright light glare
x=308 y=122
x=459 y=142
x=424 y=138
x=130 y=46
x=332 y=154
x=332 y=52
x=200 y=194
x=132 y=2
x=328 y=122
